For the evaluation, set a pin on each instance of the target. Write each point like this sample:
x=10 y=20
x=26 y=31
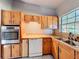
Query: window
x=77 y=12
x=77 y=28
x=64 y=28
x=72 y=14
x=70 y=22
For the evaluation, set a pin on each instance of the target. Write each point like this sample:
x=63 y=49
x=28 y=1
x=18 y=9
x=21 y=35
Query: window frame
x=75 y=20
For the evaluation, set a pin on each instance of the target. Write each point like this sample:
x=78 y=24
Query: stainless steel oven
x=10 y=34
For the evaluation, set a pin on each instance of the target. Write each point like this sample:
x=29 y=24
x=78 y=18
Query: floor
x=40 y=57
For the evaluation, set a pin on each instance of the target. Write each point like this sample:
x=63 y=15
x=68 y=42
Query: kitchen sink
x=73 y=43
x=70 y=42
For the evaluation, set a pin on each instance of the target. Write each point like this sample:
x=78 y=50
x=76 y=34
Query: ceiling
x=45 y=3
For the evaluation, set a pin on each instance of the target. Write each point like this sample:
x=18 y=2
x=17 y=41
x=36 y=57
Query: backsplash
x=33 y=27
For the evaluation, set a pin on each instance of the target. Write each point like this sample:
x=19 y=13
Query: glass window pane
x=72 y=14
x=71 y=20
x=77 y=12
x=64 y=17
x=77 y=28
x=70 y=30
x=64 y=21
x=77 y=18
x=70 y=26
x=64 y=28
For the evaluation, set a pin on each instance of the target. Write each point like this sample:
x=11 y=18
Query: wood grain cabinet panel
x=6 y=17
x=6 y=51
x=44 y=22
x=36 y=19
x=0 y=52
x=50 y=20
x=55 y=20
x=77 y=55
x=24 y=47
x=10 y=17
x=65 y=52
x=16 y=17
x=15 y=50
x=46 y=46
x=55 y=45
x=27 y=18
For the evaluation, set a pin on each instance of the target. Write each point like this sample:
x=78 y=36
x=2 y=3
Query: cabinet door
x=47 y=46
x=6 y=17
x=36 y=19
x=44 y=22
x=50 y=21
x=55 y=21
x=6 y=51
x=15 y=50
x=55 y=48
x=0 y=17
x=16 y=17
x=77 y=55
x=65 y=52
x=0 y=52
x=27 y=18
x=24 y=47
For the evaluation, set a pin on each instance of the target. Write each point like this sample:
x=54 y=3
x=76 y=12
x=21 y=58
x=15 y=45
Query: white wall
x=6 y=4
x=32 y=9
x=66 y=6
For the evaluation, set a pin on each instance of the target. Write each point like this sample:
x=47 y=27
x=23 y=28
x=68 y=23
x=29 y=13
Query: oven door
x=10 y=37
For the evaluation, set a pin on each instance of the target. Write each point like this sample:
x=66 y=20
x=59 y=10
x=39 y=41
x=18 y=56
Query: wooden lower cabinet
x=55 y=45
x=10 y=51
x=15 y=50
x=0 y=52
x=65 y=52
x=76 y=55
x=6 y=51
x=24 y=46
x=47 y=45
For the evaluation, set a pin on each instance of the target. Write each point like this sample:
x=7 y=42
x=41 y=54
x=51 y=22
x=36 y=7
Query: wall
x=66 y=6
x=6 y=4
x=32 y=9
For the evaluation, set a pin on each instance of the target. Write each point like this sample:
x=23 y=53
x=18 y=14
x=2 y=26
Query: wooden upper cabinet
x=16 y=17
x=50 y=20
x=28 y=18
x=6 y=17
x=44 y=22
x=55 y=20
x=10 y=17
x=15 y=50
x=36 y=19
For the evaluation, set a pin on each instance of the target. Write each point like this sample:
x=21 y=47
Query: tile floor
x=40 y=57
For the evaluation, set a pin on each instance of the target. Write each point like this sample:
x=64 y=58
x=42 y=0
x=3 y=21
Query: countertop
x=36 y=36
x=31 y=36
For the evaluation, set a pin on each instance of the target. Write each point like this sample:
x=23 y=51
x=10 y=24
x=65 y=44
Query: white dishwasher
x=35 y=47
